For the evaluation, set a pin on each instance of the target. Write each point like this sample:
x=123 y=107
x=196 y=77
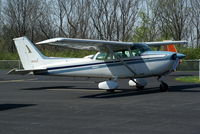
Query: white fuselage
x=142 y=66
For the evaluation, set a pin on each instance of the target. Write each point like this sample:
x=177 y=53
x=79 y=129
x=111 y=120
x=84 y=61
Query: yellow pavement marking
x=22 y=80
x=87 y=90
x=34 y=80
x=12 y=81
x=64 y=81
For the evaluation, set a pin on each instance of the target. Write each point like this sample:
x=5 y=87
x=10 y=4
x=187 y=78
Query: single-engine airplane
x=114 y=60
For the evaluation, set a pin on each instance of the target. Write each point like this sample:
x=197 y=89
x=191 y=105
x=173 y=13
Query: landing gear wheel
x=139 y=87
x=110 y=90
x=163 y=87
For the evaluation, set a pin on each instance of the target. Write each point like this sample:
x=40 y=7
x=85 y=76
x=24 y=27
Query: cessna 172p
x=114 y=60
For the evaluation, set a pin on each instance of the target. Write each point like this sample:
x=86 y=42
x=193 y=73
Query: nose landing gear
x=163 y=86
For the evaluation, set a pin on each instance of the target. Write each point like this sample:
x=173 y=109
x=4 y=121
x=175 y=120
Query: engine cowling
x=139 y=82
x=107 y=85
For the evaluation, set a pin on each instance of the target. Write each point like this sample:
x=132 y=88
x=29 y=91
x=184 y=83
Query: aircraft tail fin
x=30 y=56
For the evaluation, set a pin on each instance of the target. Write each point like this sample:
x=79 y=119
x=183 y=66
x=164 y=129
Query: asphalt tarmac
x=58 y=105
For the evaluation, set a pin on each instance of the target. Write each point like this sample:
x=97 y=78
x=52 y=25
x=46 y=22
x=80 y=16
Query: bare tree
x=21 y=16
x=1 y=17
x=148 y=28
x=195 y=17
x=74 y=18
x=129 y=11
x=104 y=18
x=114 y=20
x=173 y=16
x=59 y=12
x=123 y=20
x=21 y=19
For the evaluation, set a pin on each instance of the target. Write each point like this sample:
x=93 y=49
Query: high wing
x=100 y=45
x=159 y=43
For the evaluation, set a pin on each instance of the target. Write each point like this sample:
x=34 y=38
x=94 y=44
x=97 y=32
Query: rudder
x=31 y=58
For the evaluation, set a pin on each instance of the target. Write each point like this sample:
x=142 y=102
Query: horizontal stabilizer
x=24 y=72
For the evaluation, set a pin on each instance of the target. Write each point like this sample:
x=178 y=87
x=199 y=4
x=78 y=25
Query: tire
x=139 y=87
x=110 y=90
x=163 y=87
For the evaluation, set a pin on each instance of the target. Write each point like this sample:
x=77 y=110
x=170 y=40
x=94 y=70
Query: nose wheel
x=163 y=86
x=139 y=87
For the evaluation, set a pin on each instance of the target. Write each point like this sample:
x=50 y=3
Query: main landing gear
x=163 y=86
x=139 y=83
x=109 y=85
x=110 y=90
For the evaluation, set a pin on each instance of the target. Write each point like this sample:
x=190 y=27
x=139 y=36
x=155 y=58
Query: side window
x=101 y=56
x=120 y=54
x=104 y=56
x=136 y=52
x=123 y=54
x=127 y=53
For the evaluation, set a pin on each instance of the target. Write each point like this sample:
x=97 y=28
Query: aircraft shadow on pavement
x=123 y=93
x=185 y=88
x=129 y=92
x=175 y=75
x=4 y=107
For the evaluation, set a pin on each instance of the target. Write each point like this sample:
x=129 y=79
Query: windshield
x=138 y=49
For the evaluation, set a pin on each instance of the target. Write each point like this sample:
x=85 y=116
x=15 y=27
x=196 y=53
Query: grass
x=8 y=56
x=194 y=79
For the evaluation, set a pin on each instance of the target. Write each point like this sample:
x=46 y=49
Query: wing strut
x=123 y=62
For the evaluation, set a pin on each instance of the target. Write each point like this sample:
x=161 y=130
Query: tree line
x=118 y=20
